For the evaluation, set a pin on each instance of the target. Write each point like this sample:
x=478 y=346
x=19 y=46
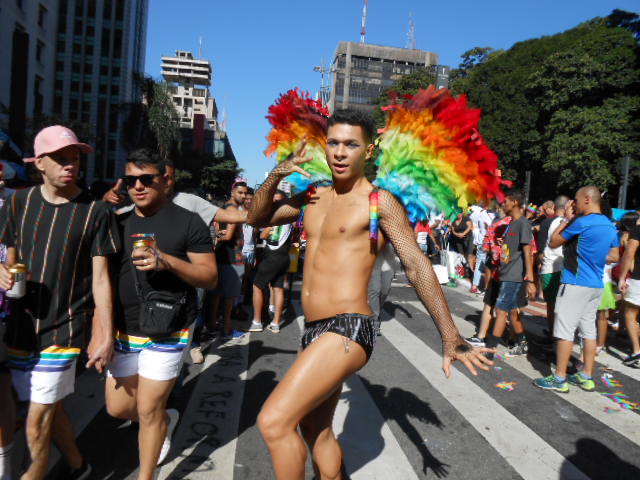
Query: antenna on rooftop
x=411 y=34
x=363 y=32
x=200 y=49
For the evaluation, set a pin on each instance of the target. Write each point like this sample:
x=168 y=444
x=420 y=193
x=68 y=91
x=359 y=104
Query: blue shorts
x=508 y=296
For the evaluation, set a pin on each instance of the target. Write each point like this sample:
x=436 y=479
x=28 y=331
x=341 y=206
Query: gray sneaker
x=274 y=328
x=256 y=327
x=520 y=348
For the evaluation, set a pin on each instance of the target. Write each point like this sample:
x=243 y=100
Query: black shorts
x=492 y=291
x=352 y=326
x=272 y=270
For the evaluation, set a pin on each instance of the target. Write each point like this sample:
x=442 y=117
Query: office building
x=27 y=44
x=100 y=51
x=190 y=80
x=361 y=72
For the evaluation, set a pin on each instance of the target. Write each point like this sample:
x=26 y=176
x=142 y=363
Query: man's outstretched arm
x=396 y=227
x=264 y=212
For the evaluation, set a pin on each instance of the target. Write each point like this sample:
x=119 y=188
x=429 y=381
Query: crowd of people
x=139 y=278
x=570 y=254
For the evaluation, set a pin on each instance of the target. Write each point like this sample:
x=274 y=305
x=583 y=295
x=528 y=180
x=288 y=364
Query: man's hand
x=113 y=196
x=6 y=277
x=100 y=351
x=148 y=259
x=622 y=285
x=292 y=164
x=471 y=357
x=570 y=210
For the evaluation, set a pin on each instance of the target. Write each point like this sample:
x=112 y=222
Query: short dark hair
x=146 y=157
x=355 y=118
x=250 y=191
x=238 y=184
x=281 y=192
x=515 y=195
x=628 y=221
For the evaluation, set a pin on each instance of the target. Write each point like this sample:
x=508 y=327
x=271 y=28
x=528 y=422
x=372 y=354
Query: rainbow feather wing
x=433 y=157
x=293 y=117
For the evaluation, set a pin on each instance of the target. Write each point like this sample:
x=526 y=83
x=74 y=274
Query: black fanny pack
x=160 y=312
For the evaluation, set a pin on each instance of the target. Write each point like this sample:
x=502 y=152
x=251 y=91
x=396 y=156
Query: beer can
x=144 y=240
x=19 y=289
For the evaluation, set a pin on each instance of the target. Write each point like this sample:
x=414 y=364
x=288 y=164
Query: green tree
x=163 y=119
x=562 y=106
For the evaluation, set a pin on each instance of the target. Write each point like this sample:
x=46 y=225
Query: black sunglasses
x=146 y=179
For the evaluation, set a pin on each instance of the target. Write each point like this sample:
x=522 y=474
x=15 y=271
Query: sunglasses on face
x=146 y=179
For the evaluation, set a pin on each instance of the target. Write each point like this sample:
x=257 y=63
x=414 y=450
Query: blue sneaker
x=550 y=383
x=233 y=335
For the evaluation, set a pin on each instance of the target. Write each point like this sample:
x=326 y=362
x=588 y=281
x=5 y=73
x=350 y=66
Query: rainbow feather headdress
x=433 y=157
x=294 y=116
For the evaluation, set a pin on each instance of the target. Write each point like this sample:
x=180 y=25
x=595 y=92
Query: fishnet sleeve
x=395 y=225
x=265 y=213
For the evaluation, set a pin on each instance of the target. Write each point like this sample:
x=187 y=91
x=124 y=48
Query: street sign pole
x=527 y=187
x=622 y=196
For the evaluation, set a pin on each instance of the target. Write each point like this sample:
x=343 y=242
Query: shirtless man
x=339 y=331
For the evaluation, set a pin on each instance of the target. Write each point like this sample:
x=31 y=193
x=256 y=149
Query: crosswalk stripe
x=625 y=422
x=382 y=459
x=523 y=449
x=206 y=437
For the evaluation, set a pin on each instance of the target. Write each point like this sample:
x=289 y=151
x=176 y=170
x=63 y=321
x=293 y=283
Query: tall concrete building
x=100 y=48
x=190 y=80
x=362 y=71
x=27 y=45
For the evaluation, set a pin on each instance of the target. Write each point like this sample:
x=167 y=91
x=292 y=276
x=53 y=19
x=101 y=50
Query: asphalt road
x=399 y=417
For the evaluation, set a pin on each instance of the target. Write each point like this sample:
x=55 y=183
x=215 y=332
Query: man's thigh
x=590 y=304
x=568 y=311
x=46 y=382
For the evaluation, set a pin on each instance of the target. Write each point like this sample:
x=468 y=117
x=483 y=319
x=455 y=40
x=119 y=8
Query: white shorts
x=46 y=378
x=633 y=292
x=156 y=360
x=576 y=309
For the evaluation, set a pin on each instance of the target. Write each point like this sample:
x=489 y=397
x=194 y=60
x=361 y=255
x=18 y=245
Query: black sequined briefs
x=351 y=326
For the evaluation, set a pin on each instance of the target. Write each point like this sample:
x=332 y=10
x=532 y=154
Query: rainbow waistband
x=133 y=344
x=51 y=359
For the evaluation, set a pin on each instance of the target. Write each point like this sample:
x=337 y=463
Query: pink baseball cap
x=54 y=138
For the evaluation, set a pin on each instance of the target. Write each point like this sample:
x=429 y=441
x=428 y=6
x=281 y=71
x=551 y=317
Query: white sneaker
x=174 y=416
x=256 y=327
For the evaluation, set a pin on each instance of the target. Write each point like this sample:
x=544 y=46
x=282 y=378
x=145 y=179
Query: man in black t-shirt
x=63 y=237
x=630 y=287
x=180 y=258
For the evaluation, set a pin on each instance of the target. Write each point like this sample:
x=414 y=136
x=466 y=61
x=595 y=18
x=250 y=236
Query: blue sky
x=260 y=48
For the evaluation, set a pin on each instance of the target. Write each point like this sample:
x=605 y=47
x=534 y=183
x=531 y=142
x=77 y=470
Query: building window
x=104 y=70
x=88 y=50
x=19 y=4
x=103 y=89
x=57 y=104
x=90 y=32
x=59 y=84
x=77 y=27
x=60 y=46
x=119 y=10
x=42 y=16
x=115 y=90
x=117 y=43
x=75 y=86
x=39 y=51
x=106 y=37
x=60 y=67
x=37 y=104
x=86 y=87
x=75 y=67
x=77 y=48
x=91 y=11
x=88 y=68
x=115 y=71
x=107 y=9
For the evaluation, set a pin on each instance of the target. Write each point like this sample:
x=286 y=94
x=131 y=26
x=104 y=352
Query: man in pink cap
x=63 y=238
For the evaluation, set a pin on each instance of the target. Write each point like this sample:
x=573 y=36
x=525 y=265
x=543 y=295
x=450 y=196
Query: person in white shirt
x=552 y=265
x=481 y=221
